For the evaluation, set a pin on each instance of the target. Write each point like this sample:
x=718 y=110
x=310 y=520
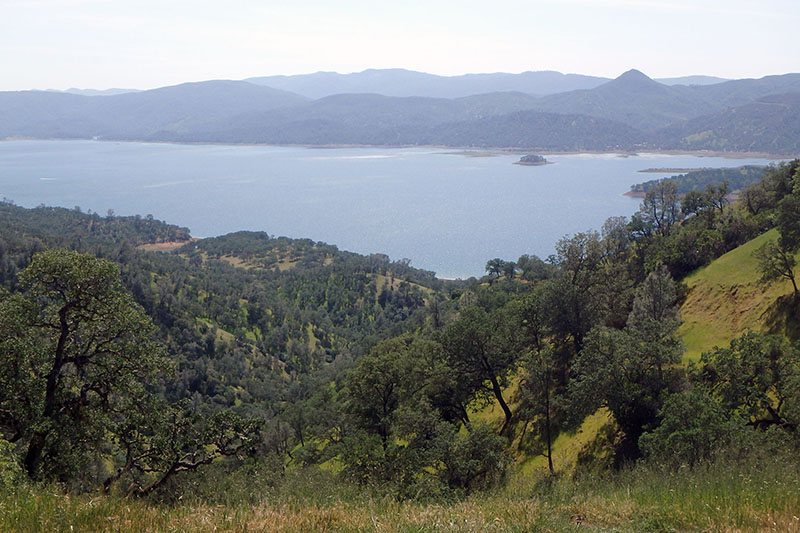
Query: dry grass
x=164 y=246
x=720 y=498
x=235 y=261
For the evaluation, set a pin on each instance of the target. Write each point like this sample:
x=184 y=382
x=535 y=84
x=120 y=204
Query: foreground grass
x=721 y=497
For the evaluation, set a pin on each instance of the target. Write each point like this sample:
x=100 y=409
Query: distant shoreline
x=474 y=153
x=494 y=150
x=541 y=164
x=671 y=170
x=732 y=197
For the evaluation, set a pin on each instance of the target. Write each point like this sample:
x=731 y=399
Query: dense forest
x=236 y=362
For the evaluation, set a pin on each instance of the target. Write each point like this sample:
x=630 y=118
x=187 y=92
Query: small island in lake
x=531 y=160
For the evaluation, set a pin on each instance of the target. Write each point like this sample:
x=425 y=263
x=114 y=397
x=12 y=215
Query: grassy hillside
x=725 y=300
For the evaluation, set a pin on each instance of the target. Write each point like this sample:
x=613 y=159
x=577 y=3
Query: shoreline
x=639 y=194
x=524 y=164
x=671 y=170
x=589 y=161
x=454 y=150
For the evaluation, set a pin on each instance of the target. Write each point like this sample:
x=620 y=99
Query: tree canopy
x=76 y=352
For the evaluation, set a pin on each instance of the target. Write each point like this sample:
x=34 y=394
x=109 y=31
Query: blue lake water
x=447 y=213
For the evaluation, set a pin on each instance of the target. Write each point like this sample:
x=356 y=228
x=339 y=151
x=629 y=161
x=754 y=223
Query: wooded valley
x=252 y=371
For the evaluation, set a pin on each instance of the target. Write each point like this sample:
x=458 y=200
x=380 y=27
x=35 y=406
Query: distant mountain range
x=632 y=112
x=100 y=92
x=401 y=82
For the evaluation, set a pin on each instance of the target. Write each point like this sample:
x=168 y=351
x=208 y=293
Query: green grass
x=566 y=448
x=726 y=300
x=758 y=494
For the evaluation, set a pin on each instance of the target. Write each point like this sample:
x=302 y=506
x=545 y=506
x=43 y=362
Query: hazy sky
x=151 y=43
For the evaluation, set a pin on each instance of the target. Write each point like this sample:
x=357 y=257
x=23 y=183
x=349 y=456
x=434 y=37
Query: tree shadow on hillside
x=783 y=317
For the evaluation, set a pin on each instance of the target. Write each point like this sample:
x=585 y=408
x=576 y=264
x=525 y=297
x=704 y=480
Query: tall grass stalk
x=726 y=495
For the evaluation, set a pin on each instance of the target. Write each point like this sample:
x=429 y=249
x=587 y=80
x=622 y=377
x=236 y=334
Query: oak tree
x=73 y=347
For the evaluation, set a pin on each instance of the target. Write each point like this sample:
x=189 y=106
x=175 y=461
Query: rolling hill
x=737 y=92
x=634 y=99
x=770 y=124
x=356 y=119
x=639 y=101
x=535 y=130
x=139 y=115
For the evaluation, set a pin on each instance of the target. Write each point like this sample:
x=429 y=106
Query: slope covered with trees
x=768 y=124
x=291 y=356
x=239 y=313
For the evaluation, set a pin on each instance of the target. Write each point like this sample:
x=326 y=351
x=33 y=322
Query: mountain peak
x=636 y=81
x=634 y=75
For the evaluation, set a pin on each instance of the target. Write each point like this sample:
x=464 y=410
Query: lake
x=446 y=212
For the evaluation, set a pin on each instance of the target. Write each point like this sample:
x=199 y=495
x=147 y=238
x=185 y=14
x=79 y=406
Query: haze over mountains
x=529 y=111
x=401 y=82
